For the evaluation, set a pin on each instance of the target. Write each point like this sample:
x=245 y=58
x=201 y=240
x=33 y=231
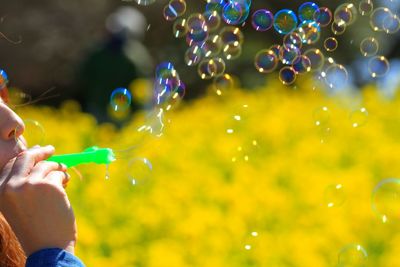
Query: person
x=37 y=223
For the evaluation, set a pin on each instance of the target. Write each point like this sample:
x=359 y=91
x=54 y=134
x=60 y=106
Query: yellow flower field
x=245 y=179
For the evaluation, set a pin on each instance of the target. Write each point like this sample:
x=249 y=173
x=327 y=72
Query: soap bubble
x=34 y=133
x=174 y=9
x=216 y=66
x=336 y=76
x=378 y=66
x=309 y=32
x=323 y=16
x=139 y=171
x=321 y=115
x=165 y=71
x=262 y=20
x=275 y=48
x=233 y=13
x=212 y=46
x=197 y=23
x=345 y=13
x=306 y=11
x=391 y=24
x=334 y=195
x=330 y=44
x=338 y=28
x=145 y=2
x=3 y=79
x=231 y=35
x=365 y=7
x=369 y=47
x=213 y=20
x=232 y=51
x=120 y=99
x=176 y=96
x=265 y=61
x=193 y=55
x=353 y=255
x=205 y=68
x=386 y=200
x=195 y=38
x=223 y=84
x=287 y=75
x=302 y=64
x=216 y=6
x=287 y=54
x=316 y=57
x=179 y=28
x=285 y=21
x=293 y=38
x=358 y=117
x=378 y=17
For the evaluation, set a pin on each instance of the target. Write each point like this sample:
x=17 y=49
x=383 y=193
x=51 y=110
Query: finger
x=5 y=173
x=43 y=168
x=26 y=160
x=58 y=178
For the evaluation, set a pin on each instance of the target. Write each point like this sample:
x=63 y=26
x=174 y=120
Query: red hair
x=11 y=253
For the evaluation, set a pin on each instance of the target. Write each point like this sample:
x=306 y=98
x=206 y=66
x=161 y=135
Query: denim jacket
x=53 y=257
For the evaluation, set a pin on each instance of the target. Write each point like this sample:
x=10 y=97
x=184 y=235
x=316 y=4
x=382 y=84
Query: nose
x=11 y=125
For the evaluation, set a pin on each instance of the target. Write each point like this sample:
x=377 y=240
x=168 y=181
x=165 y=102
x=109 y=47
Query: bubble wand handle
x=90 y=155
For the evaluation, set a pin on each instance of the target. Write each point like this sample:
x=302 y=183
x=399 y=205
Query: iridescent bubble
x=309 y=32
x=306 y=11
x=193 y=55
x=233 y=13
x=365 y=7
x=293 y=38
x=145 y=2
x=285 y=21
x=275 y=48
x=216 y=66
x=223 y=84
x=262 y=20
x=265 y=61
x=386 y=200
x=139 y=171
x=345 y=13
x=378 y=66
x=120 y=99
x=288 y=54
x=334 y=195
x=391 y=24
x=204 y=69
x=316 y=57
x=34 y=133
x=302 y=64
x=358 y=117
x=166 y=71
x=231 y=35
x=336 y=76
x=196 y=38
x=232 y=51
x=212 y=46
x=338 y=28
x=196 y=23
x=176 y=96
x=174 y=9
x=330 y=44
x=179 y=28
x=378 y=16
x=369 y=47
x=321 y=115
x=287 y=75
x=215 y=6
x=3 y=79
x=213 y=20
x=323 y=16
x=353 y=255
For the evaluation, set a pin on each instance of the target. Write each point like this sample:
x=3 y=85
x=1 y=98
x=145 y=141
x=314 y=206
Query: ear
x=4 y=94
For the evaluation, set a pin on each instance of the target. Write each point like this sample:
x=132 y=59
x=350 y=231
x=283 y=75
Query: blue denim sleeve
x=53 y=257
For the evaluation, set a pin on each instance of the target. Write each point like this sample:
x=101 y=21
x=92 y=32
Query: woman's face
x=11 y=129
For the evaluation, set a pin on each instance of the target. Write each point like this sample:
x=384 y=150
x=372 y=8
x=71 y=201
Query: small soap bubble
x=193 y=55
x=216 y=66
x=378 y=66
x=288 y=54
x=212 y=46
x=179 y=28
x=386 y=200
x=139 y=171
x=34 y=133
x=324 y=133
x=309 y=32
x=120 y=99
x=345 y=13
x=352 y=255
x=223 y=84
x=216 y=6
x=196 y=38
x=291 y=39
x=275 y=48
x=321 y=115
x=391 y=24
x=285 y=21
x=302 y=64
x=174 y=9
x=213 y=20
x=232 y=51
x=262 y=20
x=369 y=47
x=316 y=58
x=233 y=12
x=145 y=2
x=334 y=195
x=323 y=16
x=330 y=44
x=196 y=23
x=231 y=35
x=365 y=7
x=176 y=96
x=336 y=76
x=3 y=79
x=265 y=61
x=338 y=28
x=306 y=11
x=378 y=17
x=204 y=69
x=287 y=75
x=358 y=117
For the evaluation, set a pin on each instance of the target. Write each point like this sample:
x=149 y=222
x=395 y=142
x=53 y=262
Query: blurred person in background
x=121 y=59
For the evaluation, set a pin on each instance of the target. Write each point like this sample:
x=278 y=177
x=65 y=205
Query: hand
x=34 y=202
